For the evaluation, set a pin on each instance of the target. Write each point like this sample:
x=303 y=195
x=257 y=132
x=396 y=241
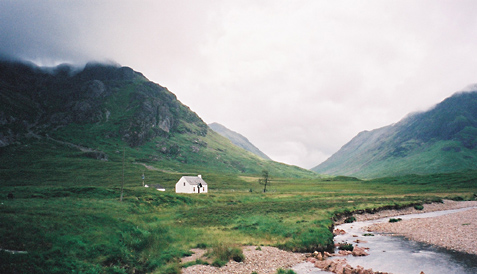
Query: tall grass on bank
x=222 y=253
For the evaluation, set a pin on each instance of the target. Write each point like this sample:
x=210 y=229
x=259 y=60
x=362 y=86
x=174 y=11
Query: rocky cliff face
x=121 y=101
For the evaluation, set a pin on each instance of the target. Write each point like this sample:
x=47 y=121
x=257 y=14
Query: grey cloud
x=298 y=78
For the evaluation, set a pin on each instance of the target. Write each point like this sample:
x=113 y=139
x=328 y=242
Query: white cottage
x=191 y=184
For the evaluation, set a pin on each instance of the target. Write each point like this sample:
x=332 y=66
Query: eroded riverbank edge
x=388 y=211
x=269 y=259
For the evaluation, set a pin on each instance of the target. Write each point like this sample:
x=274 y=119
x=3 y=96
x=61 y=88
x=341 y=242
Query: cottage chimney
x=200 y=176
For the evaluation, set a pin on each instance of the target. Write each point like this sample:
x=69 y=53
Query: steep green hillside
x=443 y=139
x=103 y=110
x=238 y=139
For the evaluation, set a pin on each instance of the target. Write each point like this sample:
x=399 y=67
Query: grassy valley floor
x=73 y=221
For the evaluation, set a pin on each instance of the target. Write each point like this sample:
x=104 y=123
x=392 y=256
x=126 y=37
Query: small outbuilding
x=191 y=184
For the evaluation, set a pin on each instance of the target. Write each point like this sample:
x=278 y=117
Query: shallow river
x=398 y=255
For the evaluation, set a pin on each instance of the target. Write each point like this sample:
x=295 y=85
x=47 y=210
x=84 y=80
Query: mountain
x=237 y=139
x=100 y=112
x=128 y=106
x=442 y=139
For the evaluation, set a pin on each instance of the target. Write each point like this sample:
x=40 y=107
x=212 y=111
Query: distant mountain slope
x=101 y=110
x=237 y=139
x=443 y=139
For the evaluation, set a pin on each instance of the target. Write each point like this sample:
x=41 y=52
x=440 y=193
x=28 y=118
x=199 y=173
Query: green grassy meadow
x=67 y=215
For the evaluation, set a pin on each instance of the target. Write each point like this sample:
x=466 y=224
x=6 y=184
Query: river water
x=398 y=255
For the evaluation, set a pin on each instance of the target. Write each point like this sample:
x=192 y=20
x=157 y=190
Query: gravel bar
x=455 y=231
x=263 y=260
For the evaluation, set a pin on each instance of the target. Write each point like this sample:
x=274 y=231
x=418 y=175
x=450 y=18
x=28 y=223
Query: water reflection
x=398 y=255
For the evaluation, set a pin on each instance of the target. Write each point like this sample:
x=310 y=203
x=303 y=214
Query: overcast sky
x=299 y=79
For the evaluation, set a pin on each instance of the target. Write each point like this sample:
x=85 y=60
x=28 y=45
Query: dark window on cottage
x=193 y=189
x=184 y=183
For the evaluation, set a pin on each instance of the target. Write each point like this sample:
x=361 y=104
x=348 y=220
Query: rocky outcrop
x=339 y=232
x=7 y=137
x=98 y=155
x=340 y=266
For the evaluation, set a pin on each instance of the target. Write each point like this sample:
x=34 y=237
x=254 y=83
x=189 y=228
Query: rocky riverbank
x=453 y=231
x=263 y=260
x=445 y=205
x=457 y=231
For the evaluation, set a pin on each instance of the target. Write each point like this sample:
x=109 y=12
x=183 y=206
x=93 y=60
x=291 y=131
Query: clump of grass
x=223 y=253
x=419 y=207
x=201 y=245
x=393 y=220
x=457 y=198
x=345 y=246
x=172 y=269
x=310 y=239
x=198 y=261
x=350 y=219
x=435 y=200
x=282 y=271
x=368 y=234
x=219 y=263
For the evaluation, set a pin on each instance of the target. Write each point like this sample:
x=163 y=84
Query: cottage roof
x=194 y=180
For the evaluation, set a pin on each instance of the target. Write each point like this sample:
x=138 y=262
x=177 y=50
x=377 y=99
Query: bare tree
x=265 y=180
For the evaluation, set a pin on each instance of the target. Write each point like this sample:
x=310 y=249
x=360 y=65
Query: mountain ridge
x=425 y=142
x=104 y=109
x=238 y=139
